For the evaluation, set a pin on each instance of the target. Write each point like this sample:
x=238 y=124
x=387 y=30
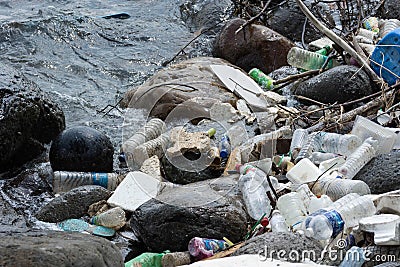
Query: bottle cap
x=264 y=222
x=223 y=153
x=211 y=132
x=309 y=232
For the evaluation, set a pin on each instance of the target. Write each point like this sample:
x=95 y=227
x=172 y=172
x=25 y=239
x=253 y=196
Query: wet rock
x=211 y=208
x=82 y=149
x=339 y=84
x=382 y=254
x=254 y=47
x=290 y=11
x=266 y=244
x=28 y=119
x=73 y=204
x=52 y=248
x=10 y=219
x=389 y=10
x=188 y=88
x=200 y=14
x=382 y=173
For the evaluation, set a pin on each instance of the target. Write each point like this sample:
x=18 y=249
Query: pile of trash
x=212 y=193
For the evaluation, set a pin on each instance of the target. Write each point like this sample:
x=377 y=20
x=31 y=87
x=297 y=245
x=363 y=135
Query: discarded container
x=224 y=147
x=318 y=203
x=277 y=222
x=152 y=129
x=308 y=60
x=318 y=157
x=292 y=209
x=337 y=188
x=150 y=148
x=201 y=248
x=303 y=172
x=299 y=139
x=385 y=228
x=253 y=184
x=388 y=26
x=386 y=56
x=331 y=223
x=134 y=190
x=343 y=144
x=113 y=218
x=307 y=148
x=371 y=24
x=77 y=225
x=354 y=257
x=331 y=164
x=147 y=259
x=365 y=128
x=262 y=79
x=64 y=181
x=356 y=161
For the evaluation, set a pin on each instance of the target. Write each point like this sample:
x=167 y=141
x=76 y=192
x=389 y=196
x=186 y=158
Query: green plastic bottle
x=262 y=79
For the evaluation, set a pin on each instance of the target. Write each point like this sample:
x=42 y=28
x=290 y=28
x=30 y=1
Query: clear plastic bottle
x=317 y=203
x=64 y=181
x=308 y=60
x=150 y=148
x=292 y=209
x=336 y=188
x=277 y=222
x=332 y=222
x=254 y=186
x=343 y=144
x=224 y=147
x=354 y=257
x=356 y=161
x=113 y=218
x=388 y=26
x=307 y=149
x=299 y=139
x=318 y=157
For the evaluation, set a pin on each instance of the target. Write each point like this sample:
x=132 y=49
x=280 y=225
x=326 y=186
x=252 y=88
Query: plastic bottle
x=354 y=257
x=388 y=26
x=331 y=223
x=307 y=148
x=254 y=185
x=277 y=222
x=318 y=157
x=308 y=60
x=337 y=188
x=262 y=79
x=201 y=248
x=154 y=128
x=356 y=161
x=299 y=139
x=64 y=181
x=317 y=203
x=224 y=147
x=150 y=148
x=343 y=144
x=113 y=218
x=292 y=209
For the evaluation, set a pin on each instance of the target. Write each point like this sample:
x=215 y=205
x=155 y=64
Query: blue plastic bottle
x=224 y=147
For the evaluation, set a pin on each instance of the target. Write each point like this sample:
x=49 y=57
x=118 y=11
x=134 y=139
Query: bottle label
x=215 y=245
x=100 y=179
x=336 y=221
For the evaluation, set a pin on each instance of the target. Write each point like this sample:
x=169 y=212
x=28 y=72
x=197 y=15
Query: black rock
x=382 y=173
x=339 y=84
x=209 y=208
x=10 y=219
x=292 y=244
x=389 y=10
x=52 y=248
x=82 y=149
x=28 y=119
x=73 y=204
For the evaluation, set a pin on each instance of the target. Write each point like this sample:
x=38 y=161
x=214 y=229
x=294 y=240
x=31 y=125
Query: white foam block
x=136 y=189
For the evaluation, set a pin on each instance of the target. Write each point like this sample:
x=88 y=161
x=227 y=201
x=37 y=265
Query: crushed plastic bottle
x=354 y=257
x=307 y=149
x=277 y=222
x=224 y=147
x=343 y=144
x=262 y=79
x=299 y=139
x=292 y=209
x=308 y=60
x=201 y=248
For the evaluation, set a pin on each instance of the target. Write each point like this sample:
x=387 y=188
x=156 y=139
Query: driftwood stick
x=251 y=20
x=336 y=39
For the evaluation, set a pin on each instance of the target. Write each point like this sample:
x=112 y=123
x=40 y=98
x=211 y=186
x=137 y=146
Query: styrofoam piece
x=303 y=172
x=250 y=260
x=136 y=189
x=384 y=226
x=365 y=128
x=397 y=142
x=389 y=203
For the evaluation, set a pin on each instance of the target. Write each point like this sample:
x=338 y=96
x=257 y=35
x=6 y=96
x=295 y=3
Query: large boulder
x=256 y=46
x=389 y=10
x=72 y=204
x=10 y=219
x=382 y=173
x=211 y=208
x=52 y=248
x=339 y=84
x=188 y=88
x=28 y=119
x=293 y=246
